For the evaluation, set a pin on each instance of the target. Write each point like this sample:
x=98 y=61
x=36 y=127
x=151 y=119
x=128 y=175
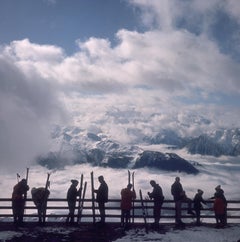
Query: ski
x=93 y=198
x=80 y=198
x=18 y=177
x=47 y=184
x=82 y=202
x=131 y=177
x=133 y=212
x=143 y=211
x=25 y=194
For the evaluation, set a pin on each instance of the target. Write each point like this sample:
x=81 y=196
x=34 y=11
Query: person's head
x=177 y=179
x=217 y=188
x=100 y=179
x=200 y=191
x=24 y=181
x=33 y=190
x=74 y=182
x=129 y=186
x=153 y=183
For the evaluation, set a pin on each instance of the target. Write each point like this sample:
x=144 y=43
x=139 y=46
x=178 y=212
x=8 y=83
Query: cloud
x=29 y=105
x=174 y=68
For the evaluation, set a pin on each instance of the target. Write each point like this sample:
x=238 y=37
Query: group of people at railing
x=128 y=195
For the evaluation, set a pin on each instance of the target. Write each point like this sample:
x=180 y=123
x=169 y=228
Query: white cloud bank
x=168 y=70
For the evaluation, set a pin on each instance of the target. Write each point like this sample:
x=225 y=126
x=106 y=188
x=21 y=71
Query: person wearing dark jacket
x=71 y=199
x=102 y=198
x=18 y=201
x=127 y=196
x=197 y=204
x=40 y=196
x=180 y=196
x=157 y=196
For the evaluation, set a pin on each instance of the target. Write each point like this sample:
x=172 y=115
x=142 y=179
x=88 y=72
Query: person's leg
x=157 y=214
x=122 y=217
x=102 y=212
x=178 y=205
x=127 y=217
x=14 y=209
x=198 y=211
x=21 y=212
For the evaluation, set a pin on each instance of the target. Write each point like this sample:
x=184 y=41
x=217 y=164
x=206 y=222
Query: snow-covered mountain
x=216 y=143
x=74 y=145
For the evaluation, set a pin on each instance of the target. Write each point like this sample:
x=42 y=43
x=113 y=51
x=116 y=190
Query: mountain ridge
x=74 y=145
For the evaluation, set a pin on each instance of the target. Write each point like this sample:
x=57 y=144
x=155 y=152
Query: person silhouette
x=102 y=198
x=180 y=196
x=157 y=196
x=127 y=195
x=18 y=201
x=72 y=194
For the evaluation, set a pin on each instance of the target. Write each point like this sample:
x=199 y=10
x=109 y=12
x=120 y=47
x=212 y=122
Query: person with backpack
x=157 y=196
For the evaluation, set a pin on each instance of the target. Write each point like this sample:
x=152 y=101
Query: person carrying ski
x=18 y=201
x=40 y=196
x=71 y=199
x=102 y=198
x=127 y=196
x=180 y=196
x=197 y=204
x=157 y=196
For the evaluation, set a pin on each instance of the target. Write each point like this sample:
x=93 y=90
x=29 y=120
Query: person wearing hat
x=18 y=201
x=220 y=207
x=197 y=204
x=71 y=199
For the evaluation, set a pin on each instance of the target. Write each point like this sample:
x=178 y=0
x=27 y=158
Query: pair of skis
x=144 y=211
x=25 y=194
x=82 y=192
x=93 y=198
x=47 y=185
x=131 y=177
x=18 y=180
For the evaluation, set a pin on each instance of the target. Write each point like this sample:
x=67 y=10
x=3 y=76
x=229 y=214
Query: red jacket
x=127 y=197
x=219 y=206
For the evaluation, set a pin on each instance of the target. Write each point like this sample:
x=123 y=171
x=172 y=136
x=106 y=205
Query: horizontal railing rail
x=57 y=209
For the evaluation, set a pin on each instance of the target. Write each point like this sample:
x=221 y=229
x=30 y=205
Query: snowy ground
x=195 y=234
x=192 y=234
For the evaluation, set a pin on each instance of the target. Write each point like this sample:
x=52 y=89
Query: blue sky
x=117 y=64
x=63 y=22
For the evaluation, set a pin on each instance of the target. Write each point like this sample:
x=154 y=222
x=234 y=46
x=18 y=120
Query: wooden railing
x=57 y=210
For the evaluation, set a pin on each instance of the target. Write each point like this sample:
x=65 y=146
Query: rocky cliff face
x=164 y=161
